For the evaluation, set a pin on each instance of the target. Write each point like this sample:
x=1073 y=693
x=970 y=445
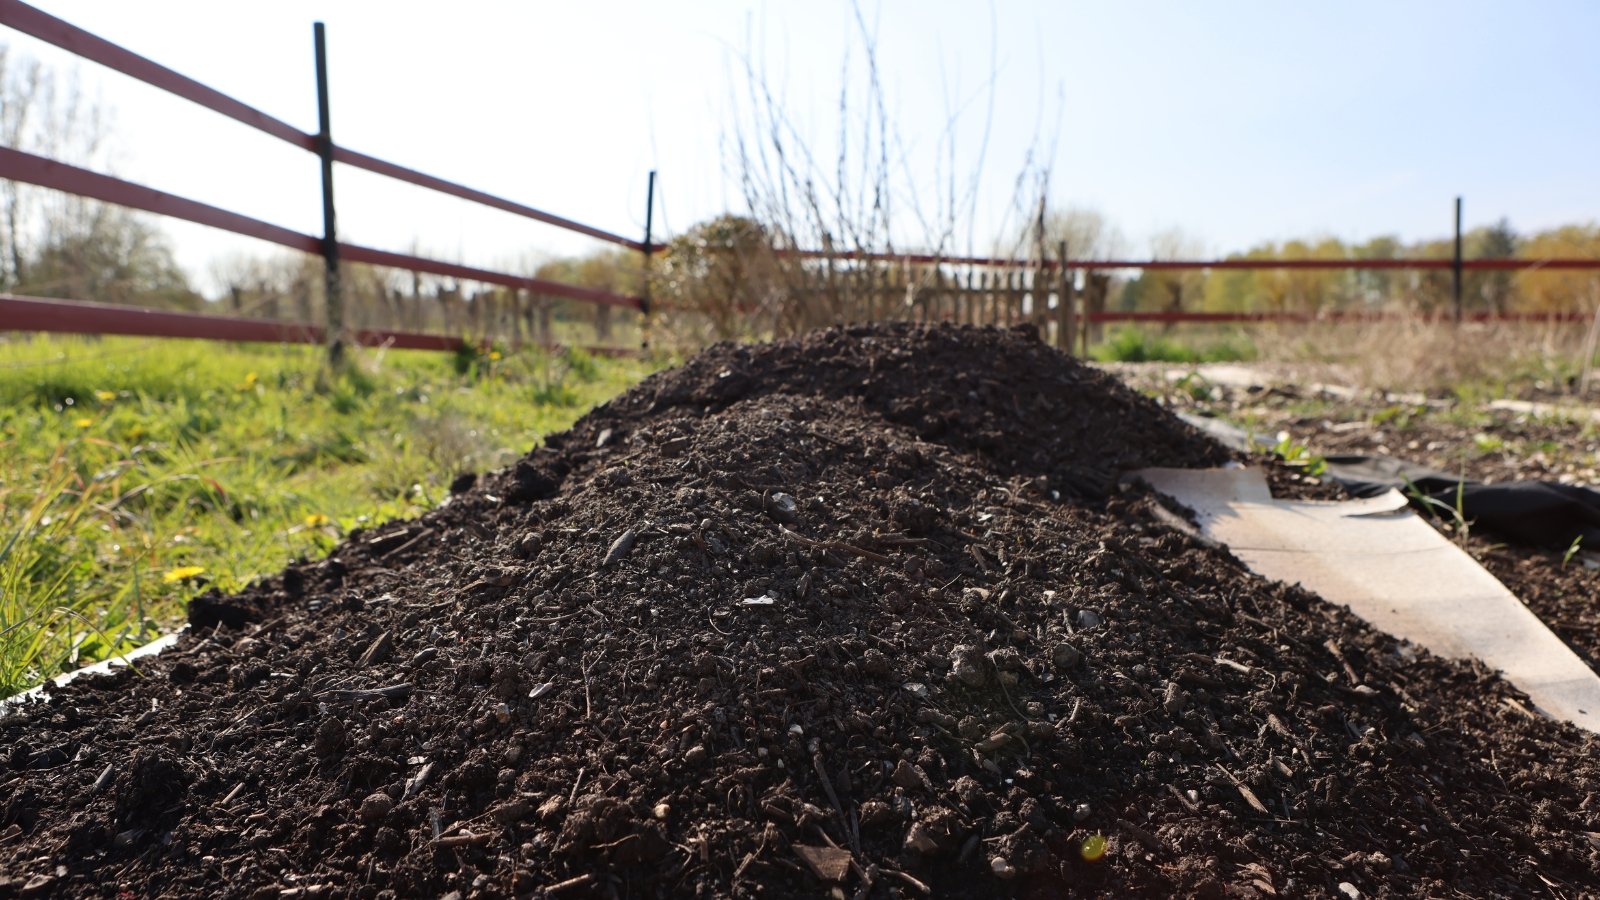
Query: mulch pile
x=865 y=613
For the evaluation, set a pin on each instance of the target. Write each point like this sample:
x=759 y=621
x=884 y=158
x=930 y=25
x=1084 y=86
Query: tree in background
x=1169 y=290
x=1087 y=232
x=58 y=244
x=1089 y=235
x=614 y=270
x=1547 y=290
x=721 y=280
x=1373 y=288
x=109 y=255
x=1490 y=291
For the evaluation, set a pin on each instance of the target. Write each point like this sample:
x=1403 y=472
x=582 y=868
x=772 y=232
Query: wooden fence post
x=1067 y=302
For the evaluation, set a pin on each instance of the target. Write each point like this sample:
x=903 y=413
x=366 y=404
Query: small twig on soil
x=576 y=881
x=573 y=798
x=1011 y=703
x=837 y=546
x=233 y=795
x=977 y=554
x=909 y=880
x=827 y=788
x=424 y=534
x=588 y=705
x=467 y=839
x=265 y=626
x=561 y=618
x=103 y=780
x=1245 y=792
x=900 y=540
x=1182 y=799
x=392 y=692
x=1150 y=841
x=867 y=878
x=1241 y=667
x=1333 y=647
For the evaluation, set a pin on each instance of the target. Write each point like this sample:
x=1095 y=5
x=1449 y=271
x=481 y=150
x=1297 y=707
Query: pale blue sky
x=1236 y=121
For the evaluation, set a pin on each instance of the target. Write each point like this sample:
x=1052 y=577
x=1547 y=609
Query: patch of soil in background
x=864 y=610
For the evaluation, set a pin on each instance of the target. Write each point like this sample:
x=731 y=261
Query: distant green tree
x=1491 y=291
x=109 y=255
x=722 y=277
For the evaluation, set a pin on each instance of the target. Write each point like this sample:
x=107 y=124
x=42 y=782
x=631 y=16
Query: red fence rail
x=78 y=317
x=1413 y=263
x=18 y=165
x=1331 y=317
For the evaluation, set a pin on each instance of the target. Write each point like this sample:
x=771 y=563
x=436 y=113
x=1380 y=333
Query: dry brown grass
x=1432 y=356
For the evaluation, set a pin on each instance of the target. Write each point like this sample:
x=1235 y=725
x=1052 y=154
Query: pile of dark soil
x=863 y=614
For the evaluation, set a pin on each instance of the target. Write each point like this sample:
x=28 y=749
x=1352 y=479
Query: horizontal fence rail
x=1331 y=317
x=1420 y=264
x=78 y=317
x=37 y=170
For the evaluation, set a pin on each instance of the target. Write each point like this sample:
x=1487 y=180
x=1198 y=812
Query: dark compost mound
x=863 y=613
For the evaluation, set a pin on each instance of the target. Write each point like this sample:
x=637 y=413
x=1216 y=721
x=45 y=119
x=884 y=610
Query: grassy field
x=135 y=474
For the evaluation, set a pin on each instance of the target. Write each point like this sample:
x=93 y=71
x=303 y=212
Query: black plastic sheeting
x=1540 y=513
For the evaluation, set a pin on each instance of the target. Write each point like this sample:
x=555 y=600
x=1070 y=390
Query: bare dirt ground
x=865 y=614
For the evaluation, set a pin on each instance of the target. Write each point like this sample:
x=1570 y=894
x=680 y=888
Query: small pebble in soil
x=620 y=548
x=376 y=806
x=529 y=545
x=783 y=508
x=968 y=666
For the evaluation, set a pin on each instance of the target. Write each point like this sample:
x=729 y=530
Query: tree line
x=1312 y=291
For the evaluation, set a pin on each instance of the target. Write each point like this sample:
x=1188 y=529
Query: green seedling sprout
x=1572 y=550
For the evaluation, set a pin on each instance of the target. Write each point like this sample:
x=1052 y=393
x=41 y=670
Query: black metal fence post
x=649 y=252
x=334 y=299
x=1455 y=265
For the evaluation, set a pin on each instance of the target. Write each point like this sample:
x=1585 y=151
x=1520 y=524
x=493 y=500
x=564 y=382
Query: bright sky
x=1236 y=122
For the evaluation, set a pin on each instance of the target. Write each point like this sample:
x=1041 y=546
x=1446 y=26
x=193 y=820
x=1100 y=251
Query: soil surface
x=865 y=614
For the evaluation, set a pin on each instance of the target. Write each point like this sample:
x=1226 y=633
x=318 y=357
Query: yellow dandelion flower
x=105 y=396
x=494 y=355
x=83 y=423
x=1094 y=848
x=317 y=520
x=182 y=573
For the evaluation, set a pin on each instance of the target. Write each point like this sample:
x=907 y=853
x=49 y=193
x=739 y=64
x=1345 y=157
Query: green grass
x=1132 y=343
x=135 y=474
